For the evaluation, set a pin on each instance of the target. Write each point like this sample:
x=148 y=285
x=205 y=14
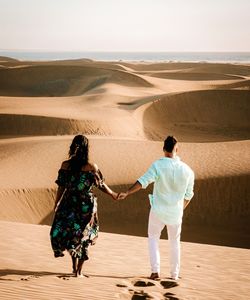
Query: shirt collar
x=176 y=158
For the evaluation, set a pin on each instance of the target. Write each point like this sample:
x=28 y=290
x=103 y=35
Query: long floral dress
x=75 y=224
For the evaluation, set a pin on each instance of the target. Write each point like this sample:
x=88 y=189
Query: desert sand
x=126 y=109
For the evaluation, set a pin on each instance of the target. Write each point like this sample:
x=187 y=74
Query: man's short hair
x=169 y=144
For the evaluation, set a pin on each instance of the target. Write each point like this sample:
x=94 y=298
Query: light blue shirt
x=173 y=182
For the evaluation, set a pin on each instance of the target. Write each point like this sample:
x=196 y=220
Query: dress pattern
x=75 y=224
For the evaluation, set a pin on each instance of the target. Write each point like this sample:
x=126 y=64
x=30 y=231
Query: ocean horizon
x=239 y=57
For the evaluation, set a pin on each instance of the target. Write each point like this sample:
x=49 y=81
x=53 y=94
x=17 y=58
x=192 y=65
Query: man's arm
x=149 y=177
x=189 y=191
x=133 y=189
x=185 y=204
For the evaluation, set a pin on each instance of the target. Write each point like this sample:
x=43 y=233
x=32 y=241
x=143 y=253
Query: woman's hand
x=114 y=195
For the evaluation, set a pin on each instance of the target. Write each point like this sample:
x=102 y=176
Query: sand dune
x=40 y=125
x=221 y=68
x=60 y=80
x=202 y=116
x=126 y=110
x=233 y=69
x=241 y=85
x=192 y=76
x=8 y=59
x=147 y=66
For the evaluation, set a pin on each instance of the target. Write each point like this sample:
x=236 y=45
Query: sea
x=232 y=57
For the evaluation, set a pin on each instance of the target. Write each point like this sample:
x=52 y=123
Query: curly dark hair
x=79 y=153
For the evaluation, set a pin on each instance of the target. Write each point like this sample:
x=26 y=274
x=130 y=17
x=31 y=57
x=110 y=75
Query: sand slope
x=31 y=190
x=31 y=271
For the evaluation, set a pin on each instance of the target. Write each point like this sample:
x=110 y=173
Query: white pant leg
x=174 y=234
x=155 y=227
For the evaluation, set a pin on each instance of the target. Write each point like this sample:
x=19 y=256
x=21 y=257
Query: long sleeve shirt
x=173 y=182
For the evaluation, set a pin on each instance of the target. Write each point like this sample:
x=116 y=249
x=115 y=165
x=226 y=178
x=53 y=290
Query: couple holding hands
x=75 y=224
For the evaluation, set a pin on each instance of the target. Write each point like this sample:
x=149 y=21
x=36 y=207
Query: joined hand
x=122 y=196
x=115 y=195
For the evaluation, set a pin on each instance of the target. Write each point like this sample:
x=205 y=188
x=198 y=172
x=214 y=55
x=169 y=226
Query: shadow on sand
x=26 y=275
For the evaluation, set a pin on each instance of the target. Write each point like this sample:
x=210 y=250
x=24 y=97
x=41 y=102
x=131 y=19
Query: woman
x=75 y=225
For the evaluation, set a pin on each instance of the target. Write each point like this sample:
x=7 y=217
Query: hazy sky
x=125 y=25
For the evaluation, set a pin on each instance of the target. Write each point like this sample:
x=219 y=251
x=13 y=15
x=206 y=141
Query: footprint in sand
x=168 y=284
x=130 y=293
x=29 y=277
x=170 y=296
x=122 y=285
x=24 y=279
x=65 y=277
x=143 y=283
x=137 y=283
x=142 y=295
x=34 y=276
x=71 y=275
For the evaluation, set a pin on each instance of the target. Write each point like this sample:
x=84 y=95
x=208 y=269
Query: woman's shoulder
x=65 y=165
x=89 y=167
x=92 y=167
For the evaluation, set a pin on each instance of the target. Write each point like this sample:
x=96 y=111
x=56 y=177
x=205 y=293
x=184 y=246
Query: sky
x=125 y=25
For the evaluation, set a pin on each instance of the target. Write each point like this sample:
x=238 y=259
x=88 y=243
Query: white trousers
x=155 y=227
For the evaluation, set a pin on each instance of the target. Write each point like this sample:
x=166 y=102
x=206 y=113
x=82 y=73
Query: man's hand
x=122 y=196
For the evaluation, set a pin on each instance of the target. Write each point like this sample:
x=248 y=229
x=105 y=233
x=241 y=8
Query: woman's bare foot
x=74 y=265
x=77 y=270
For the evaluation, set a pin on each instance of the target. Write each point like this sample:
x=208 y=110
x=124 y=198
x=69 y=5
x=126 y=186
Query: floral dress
x=75 y=224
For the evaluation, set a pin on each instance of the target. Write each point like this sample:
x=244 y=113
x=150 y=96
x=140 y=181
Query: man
x=173 y=190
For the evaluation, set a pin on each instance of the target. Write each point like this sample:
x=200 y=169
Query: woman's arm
x=59 y=194
x=61 y=182
x=102 y=185
x=107 y=190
